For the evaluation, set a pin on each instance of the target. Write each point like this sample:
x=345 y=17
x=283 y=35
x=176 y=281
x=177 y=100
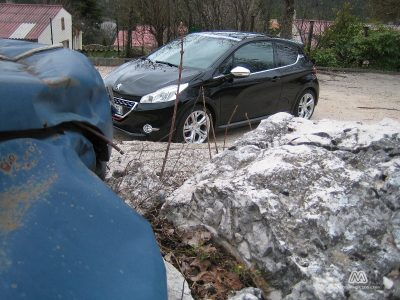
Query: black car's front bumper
x=134 y=118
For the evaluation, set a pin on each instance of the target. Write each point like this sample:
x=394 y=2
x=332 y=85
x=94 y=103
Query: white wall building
x=46 y=24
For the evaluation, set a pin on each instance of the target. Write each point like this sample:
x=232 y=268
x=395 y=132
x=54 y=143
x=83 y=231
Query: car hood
x=142 y=77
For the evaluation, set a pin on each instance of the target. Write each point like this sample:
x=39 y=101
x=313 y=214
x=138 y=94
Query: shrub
x=381 y=48
x=342 y=36
x=344 y=44
x=325 y=57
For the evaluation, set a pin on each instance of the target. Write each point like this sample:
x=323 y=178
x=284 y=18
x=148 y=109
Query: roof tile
x=12 y=16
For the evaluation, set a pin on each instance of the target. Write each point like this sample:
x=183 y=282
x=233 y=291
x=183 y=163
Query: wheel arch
x=199 y=102
x=314 y=90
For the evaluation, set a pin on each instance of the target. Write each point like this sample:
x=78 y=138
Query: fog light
x=147 y=128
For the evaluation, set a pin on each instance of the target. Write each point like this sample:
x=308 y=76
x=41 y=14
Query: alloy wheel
x=196 y=127
x=306 y=106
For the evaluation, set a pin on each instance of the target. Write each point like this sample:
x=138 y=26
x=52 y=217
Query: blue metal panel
x=50 y=87
x=63 y=233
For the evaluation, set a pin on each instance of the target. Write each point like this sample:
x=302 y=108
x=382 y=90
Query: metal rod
x=51 y=31
x=172 y=129
x=101 y=136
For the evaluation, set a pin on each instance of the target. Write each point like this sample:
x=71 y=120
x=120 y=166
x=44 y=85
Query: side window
x=287 y=54
x=257 y=56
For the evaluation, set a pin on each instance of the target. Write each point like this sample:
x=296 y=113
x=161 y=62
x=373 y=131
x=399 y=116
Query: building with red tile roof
x=141 y=37
x=46 y=24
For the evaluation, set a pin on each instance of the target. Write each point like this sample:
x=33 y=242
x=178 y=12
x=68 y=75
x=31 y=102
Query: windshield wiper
x=145 y=58
x=166 y=63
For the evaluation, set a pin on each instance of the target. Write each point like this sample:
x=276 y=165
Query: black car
x=244 y=78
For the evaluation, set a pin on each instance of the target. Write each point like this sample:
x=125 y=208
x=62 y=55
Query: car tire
x=193 y=126
x=305 y=105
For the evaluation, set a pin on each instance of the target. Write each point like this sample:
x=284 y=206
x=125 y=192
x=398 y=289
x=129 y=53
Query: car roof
x=293 y=42
x=240 y=36
x=234 y=35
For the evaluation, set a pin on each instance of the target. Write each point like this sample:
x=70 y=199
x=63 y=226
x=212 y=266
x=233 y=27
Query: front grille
x=127 y=97
x=123 y=107
x=124 y=102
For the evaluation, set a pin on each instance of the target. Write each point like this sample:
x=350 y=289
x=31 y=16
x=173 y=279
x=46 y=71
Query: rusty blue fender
x=63 y=233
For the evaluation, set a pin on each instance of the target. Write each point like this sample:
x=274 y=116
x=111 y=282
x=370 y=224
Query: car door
x=292 y=72
x=256 y=95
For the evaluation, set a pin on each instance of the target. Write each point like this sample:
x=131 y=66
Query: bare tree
x=287 y=19
x=208 y=15
x=155 y=14
x=266 y=11
x=109 y=31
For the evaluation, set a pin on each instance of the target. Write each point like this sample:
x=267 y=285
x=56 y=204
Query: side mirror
x=240 y=72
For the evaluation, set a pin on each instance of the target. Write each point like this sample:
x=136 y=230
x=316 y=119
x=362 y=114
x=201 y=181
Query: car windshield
x=200 y=51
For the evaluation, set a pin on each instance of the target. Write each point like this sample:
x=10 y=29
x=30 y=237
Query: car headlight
x=163 y=95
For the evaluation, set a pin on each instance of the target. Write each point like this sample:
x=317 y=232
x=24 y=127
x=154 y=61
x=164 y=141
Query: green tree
x=87 y=15
x=381 y=48
x=343 y=35
x=344 y=44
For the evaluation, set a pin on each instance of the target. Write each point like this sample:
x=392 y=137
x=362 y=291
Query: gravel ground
x=366 y=97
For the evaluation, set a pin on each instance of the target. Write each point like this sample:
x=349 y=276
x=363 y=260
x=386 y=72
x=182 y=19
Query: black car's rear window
x=200 y=50
x=287 y=54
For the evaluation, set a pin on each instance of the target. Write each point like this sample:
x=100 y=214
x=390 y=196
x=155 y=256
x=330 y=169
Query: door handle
x=275 y=78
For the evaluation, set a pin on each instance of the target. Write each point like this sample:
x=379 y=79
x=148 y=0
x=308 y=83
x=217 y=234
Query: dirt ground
x=365 y=97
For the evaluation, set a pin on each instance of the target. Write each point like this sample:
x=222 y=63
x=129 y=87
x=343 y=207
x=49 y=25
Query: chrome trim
x=128 y=103
x=299 y=56
x=122 y=101
x=219 y=77
x=240 y=72
x=297 y=60
x=132 y=134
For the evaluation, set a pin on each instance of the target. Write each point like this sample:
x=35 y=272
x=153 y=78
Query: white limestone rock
x=178 y=288
x=307 y=201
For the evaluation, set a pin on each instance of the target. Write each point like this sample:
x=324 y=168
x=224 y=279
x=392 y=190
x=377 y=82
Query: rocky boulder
x=135 y=182
x=314 y=204
x=134 y=176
